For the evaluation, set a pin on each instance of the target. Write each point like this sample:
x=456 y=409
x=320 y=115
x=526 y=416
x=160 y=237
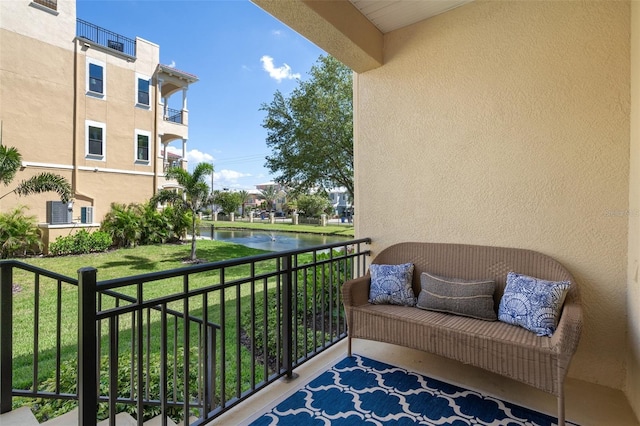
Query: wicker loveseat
x=495 y=346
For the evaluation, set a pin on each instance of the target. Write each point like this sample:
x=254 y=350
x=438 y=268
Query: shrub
x=134 y=224
x=325 y=288
x=19 y=234
x=123 y=224
x=81 y=242
x=46 y=409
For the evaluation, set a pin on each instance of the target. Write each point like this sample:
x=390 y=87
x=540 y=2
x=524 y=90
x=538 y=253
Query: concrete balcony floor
x=586 y=404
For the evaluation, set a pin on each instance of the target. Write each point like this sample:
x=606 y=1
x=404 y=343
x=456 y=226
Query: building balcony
x=108 y=39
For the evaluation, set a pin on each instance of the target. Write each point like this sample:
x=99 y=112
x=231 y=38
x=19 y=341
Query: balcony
x=105 y=38
x=183 y=352
x=173 y=116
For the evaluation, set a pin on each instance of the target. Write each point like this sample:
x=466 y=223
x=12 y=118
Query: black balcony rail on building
x=173 y=115
x=193 y=341
x=105 y=38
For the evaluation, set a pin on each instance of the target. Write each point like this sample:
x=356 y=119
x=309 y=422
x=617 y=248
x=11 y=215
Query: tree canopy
x=310 y=132
x=229 y=202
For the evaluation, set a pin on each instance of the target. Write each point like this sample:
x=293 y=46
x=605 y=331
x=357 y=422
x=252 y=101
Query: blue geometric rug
x=359 y=390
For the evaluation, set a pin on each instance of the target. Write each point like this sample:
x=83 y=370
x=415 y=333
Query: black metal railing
x=193 y=341
x=105 y=38
x=173 y=115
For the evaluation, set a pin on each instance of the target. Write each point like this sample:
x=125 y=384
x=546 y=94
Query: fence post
x=6 y=336
x=287 y=316
x=87 y=347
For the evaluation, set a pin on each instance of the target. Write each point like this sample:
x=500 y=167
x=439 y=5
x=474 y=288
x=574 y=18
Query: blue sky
x=241 y=55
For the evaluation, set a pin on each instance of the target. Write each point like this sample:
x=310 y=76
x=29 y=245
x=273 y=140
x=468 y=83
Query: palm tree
x=270 y=193
x=10 y=163
x=193 y=196
x=244 y=198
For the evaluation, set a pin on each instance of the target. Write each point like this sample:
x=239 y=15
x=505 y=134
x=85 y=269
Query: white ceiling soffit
x=389 y=15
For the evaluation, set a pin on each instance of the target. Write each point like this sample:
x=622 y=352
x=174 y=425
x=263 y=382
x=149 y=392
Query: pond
x=272 y=241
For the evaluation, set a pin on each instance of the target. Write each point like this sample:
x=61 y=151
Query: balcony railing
x=105 y=38
x=173 y=115
x=214 y=335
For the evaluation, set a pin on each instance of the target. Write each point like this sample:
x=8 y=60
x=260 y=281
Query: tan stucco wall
x=39 y=22
x=633 y=281
x=44 y=106
x=36 y=98
x=507 y=123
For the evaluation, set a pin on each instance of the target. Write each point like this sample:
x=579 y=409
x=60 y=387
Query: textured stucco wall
x=633 y=297
x=43 y=109
x=39 y=22
x=507 y=123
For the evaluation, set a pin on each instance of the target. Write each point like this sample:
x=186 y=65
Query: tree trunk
x=193 y=236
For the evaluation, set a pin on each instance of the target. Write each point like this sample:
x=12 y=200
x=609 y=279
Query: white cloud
x=172 y=64
x=277 y=33
x=277 y=73
x=228 y=178
x=193 y=157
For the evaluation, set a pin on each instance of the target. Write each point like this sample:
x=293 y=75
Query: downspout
x=155 y=137
x=74 y=172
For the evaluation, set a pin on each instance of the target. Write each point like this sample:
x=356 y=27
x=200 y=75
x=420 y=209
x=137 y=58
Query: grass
x=134 y=261
x=115 y=264
x=331 y=229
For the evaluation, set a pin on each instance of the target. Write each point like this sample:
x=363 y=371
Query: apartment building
x=88 y=104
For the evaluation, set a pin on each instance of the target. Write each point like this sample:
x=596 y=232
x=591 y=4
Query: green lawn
x=116 y=264
x=128 y=262
x=345 y=230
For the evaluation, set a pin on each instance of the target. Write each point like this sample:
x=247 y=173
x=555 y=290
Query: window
x=95 y=140
x=142 y=146
x=96 y=78
x=46 y=5
x=143 y=91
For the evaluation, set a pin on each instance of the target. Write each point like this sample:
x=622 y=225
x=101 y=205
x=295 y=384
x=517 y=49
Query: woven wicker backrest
x=476 y=262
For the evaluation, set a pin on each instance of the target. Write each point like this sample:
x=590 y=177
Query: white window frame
x=143 y=77
x=135 y=145
x=103 y=126
x=103 y=95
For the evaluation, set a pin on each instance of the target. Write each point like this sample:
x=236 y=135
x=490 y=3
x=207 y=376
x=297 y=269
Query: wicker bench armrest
x=565 y=338
x=356 y=292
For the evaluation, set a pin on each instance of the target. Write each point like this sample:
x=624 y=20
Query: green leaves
x=18 y=233
x=310 y=133
x=10 y=162
x=228 y=201
x=193 y=196
x=45 y=182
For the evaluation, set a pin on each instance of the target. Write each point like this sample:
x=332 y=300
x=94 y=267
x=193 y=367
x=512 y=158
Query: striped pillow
x=469 y=298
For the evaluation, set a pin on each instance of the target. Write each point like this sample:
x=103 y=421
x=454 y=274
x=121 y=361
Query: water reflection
x=272 y=241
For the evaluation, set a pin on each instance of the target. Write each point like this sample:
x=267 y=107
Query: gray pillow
x=470 y=298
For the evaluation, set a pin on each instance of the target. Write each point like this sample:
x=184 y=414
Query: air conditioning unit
x=59 y=213
x=86 y=215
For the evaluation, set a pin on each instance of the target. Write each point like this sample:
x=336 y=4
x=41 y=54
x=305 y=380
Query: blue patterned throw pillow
x=391 y=285
x=532 y=303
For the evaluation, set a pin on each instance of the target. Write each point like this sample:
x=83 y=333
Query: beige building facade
x=93 y=106
x=508 y=123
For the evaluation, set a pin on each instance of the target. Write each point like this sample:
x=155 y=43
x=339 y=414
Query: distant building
x=341 y=201
x=281 y=199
